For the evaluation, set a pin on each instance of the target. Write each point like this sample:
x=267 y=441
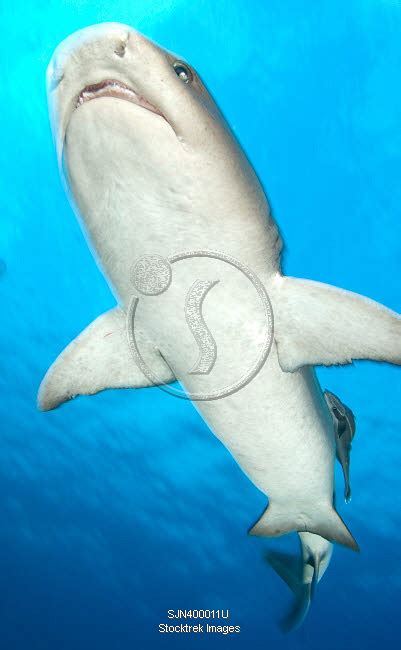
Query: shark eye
x=183 y=72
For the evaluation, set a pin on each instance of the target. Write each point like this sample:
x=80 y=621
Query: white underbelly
x=277 y=426
x=279 y=430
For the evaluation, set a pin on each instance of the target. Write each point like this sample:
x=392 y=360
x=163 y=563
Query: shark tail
x=290 y=568
x=324 y=521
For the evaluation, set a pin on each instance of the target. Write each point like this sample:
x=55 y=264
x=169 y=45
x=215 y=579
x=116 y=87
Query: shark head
x=115 y=61
x=142 y=144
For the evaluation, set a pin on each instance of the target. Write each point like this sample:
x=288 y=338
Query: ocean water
x=118 y=507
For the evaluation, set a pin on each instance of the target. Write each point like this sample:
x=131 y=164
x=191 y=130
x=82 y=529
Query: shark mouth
x=117 y=89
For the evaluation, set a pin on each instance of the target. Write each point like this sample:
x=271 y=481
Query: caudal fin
x=324 y=521
x=289 y=568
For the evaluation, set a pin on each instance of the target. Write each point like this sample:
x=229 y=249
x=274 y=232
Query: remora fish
x=303 y=573
x=153 y=168
x=344 y=431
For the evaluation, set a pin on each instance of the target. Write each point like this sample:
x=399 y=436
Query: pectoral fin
x=317 y=324
x=99 y=358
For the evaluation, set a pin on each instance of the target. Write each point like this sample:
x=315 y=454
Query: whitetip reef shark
x=152 y=167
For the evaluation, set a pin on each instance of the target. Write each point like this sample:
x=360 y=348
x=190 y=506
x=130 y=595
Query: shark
x=152 y=168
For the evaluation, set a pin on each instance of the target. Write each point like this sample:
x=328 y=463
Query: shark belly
x=278 y=426
x=280 y=433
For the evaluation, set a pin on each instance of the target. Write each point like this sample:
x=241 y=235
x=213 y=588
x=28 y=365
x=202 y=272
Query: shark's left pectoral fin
x=317 y=324
x=99 y=358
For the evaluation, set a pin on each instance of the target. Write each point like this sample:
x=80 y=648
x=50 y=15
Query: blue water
x=118 y=507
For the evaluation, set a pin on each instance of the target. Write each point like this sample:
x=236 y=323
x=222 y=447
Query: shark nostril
x=120 y=49
x=121 y=45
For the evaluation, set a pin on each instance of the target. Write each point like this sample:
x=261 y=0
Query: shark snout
x=87 y=57
x=115 y=60
x=104 y=41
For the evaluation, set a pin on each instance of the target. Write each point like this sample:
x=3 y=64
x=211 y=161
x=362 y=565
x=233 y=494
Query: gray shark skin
x=151 y=167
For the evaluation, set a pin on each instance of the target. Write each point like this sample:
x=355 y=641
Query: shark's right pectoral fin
x=99 y=358
x=317 y=324
x=320 y=520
